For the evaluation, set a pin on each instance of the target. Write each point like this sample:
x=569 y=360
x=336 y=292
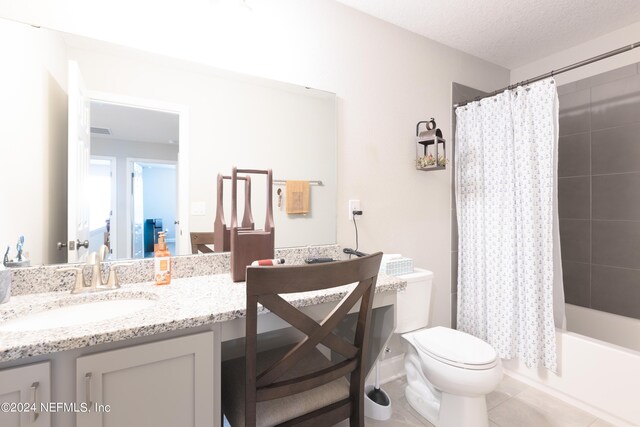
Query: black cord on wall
x=355 y=225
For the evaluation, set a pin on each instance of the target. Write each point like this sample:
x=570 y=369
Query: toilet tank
x=413 y=304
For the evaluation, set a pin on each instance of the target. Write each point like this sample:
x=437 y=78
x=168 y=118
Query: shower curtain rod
x=555 y=72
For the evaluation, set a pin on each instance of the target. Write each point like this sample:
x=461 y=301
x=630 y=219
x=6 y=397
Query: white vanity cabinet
x=22 y=390
x=165 y=383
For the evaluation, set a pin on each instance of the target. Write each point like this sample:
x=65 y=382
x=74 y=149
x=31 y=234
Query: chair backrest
x=264 y=286
x=200 y=240
x=220 y=228
x=250 y=245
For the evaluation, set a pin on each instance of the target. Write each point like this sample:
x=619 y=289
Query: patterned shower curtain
x=506 y=194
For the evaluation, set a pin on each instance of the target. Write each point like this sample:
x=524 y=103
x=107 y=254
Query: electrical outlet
x=354 y=205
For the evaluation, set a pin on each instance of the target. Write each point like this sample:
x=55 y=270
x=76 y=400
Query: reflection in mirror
x=134 y=153
x=158 y=131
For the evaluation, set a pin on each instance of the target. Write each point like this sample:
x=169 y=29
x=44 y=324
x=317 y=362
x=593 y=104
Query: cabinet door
x=167 y=383
x=25 y=385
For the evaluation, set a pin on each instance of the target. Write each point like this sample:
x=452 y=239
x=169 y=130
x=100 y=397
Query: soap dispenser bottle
x=162 y=261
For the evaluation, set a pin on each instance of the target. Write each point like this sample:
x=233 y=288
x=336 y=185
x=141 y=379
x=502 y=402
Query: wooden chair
x=200 y=240
x=249 y=244
x=298 y=385
x=221 y=231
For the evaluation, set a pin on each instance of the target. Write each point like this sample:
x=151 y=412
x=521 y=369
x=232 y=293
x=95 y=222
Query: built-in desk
x=163 y=358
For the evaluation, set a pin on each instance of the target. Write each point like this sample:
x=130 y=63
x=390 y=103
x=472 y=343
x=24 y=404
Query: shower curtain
x=508 y=247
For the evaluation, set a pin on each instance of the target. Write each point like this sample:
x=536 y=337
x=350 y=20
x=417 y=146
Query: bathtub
x=595 y=375
x=614 y=329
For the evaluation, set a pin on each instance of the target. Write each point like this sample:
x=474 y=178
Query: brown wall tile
x=616 y=196
x=575 y=240
x=606 y=77
x=574 y=157
x=616 y=290
x=574 y=197
x=574 y=112
x=567 y=88
x=600 y=213
x=616 y=103
x=616 y=150
x=615 y=243
x=576 y=278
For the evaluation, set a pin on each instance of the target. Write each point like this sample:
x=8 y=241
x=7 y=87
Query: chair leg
x=357 y=415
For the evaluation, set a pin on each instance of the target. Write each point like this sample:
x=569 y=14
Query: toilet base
x=452 y=396
x=424 y=404
x=420 y=394
x=462 y=411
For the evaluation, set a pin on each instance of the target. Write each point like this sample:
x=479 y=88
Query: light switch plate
x=198 y=208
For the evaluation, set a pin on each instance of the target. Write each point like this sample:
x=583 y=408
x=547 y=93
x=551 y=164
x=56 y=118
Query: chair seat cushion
x=273 y=412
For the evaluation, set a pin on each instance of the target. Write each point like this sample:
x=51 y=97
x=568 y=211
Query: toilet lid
x=456 y=348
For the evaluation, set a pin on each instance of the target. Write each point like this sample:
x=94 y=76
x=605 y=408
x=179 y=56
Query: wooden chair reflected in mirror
x=202 y=242
x=222 y=233
x=249 y=244
x=298 y=385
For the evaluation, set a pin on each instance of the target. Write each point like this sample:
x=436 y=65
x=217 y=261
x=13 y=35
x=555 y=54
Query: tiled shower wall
x=599 y=191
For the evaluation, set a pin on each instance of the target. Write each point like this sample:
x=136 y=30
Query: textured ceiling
x=510 y=33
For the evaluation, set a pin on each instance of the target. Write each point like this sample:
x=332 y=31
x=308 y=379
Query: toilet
x=449 y=372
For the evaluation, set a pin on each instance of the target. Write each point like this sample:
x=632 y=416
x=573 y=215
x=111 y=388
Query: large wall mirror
x=102 y=143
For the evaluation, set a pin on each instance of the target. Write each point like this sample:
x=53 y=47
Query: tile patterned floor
x=513 y=404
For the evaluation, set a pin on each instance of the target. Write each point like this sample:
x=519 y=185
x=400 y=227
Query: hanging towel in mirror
x=297 y=197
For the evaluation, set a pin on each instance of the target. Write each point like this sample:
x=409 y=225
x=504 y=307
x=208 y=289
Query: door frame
x=130 y=161
x=183 y=242
x=113 y=238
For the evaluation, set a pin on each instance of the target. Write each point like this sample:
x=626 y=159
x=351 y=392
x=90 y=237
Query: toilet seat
x=456 y=348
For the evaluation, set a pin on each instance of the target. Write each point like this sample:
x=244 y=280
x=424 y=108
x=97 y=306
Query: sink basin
x=75 y=315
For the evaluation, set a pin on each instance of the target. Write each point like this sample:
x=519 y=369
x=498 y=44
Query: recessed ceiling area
x=510 y=33
x=127 y=123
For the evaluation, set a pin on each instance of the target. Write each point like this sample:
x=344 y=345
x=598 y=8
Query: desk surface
x=185 y=303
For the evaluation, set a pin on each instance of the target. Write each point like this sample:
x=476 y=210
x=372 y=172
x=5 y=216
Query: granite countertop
x=185 y=303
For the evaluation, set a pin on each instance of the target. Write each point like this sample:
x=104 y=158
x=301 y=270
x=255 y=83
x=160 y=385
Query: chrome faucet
x=97 y=282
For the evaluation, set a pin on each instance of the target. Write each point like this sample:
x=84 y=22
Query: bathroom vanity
x=157 y=364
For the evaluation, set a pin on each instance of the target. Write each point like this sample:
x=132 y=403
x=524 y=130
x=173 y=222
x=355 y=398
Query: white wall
x=33 y=140
x=386 y=80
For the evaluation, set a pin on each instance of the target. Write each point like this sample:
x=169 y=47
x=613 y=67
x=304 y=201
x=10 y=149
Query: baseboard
x=605 y=416
x=390 y=369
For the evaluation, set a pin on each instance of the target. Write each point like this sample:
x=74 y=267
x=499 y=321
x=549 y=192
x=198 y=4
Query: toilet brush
x=376 y=395
x=377 y=404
